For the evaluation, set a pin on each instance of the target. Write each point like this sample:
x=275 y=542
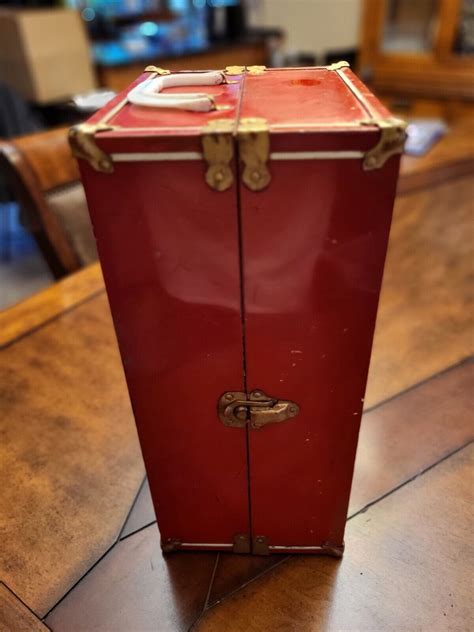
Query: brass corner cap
x=83 y=146
x=397 y=122
x=386 y=123
x=170 y=545
x=157 y=70
x=338 y=65
x=392 y=141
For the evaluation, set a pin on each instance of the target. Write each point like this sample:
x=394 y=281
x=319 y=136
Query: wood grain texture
x=405 y=568
x=15 y=616
x=32 y=165
x=70 y=443
x=142 y=512
x=136 y=588
x=418 y=227
x=60 y=297
x=398 y=441
x=452 y=111
x=49 y=155
x=433 y=74
x=234 y=571
x=424 y=322
x=452 y=156
x=71 y=451
x=404 y=436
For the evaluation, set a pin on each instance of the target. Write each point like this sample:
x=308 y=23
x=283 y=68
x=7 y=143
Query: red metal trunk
x=243 y=260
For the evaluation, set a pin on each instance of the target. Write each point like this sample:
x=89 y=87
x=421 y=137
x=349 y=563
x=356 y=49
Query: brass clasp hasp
x=235 y=409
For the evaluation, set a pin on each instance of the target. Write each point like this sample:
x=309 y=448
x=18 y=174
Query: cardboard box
x=45 y=54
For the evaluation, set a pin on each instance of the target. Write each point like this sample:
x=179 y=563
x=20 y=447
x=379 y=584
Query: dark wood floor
x=80 y=550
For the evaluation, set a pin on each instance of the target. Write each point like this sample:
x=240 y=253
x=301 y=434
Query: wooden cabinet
x=419 y=49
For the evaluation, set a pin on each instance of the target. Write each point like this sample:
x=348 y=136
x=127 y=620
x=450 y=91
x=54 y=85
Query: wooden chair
x=41 y=172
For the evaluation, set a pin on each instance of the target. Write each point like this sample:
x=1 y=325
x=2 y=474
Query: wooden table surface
x=80 y=545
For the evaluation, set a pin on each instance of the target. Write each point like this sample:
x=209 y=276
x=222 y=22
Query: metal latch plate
x=258 y=410
x=260 y=545
x=218 y=151
x=254 y=150
x=241 y=543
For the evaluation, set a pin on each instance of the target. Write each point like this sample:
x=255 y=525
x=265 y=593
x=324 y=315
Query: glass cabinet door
x=410 y=27
x=464 y=40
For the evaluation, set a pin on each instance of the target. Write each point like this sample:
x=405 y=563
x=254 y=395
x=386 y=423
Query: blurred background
x=61 y=60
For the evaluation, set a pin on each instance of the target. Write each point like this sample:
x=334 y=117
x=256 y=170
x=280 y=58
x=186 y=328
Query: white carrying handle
x=148 y=93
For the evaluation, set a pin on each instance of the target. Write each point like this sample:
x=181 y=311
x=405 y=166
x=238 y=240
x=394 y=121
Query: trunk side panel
x=314 y=245
x=169 y=251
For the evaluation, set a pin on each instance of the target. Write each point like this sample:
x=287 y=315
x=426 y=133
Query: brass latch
x=218 y=152
x=235 y=410
x=254 y=150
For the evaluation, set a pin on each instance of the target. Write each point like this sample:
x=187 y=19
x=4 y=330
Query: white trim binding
x=195 y=155
x=157 y=156
x=316 y=155
x=358 y=94
x=271 y=547
x=303 y=126
x=297 y=548
x=205 y=544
